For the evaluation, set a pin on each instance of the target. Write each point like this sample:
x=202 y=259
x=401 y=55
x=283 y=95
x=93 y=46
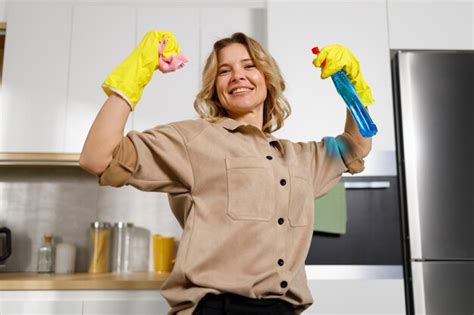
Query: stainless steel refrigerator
x=434 y=110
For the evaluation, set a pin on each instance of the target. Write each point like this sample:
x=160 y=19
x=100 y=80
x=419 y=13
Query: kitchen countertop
x=82 y=281
x=153 y=281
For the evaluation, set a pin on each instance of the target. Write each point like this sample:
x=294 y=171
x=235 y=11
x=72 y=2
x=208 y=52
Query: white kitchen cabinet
x=35 y=77
x=125 y=307
x=357 y=296
x=356 y=289
x=169 y=97
x=360 y=295
x=143 y=302
x=29 y=307
x=102 y=36
x=217 y=23
x=317 y=110
x=431 y=24
x=83 y=302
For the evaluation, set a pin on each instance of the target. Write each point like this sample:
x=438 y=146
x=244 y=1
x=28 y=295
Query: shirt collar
x=276 y=142
x=232 y=125
x=229 y=123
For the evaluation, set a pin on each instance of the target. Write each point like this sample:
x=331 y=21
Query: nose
x=237 y=75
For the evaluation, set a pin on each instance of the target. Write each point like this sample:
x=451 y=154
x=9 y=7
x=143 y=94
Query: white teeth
x=240 y=90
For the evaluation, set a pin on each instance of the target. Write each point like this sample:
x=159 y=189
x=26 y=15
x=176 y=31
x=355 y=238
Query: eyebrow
x=243 y=60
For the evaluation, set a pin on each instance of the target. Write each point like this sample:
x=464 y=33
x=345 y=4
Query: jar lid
x=48 y=237
x=100 y=225
x=122 y=225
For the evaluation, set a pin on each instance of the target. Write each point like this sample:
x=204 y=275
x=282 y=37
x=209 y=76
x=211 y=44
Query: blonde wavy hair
x=276 y=108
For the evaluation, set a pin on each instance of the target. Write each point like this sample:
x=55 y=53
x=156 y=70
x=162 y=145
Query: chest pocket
x=301 y=197
x=250 y=188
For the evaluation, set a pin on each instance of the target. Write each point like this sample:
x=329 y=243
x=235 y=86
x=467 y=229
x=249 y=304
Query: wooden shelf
x=15 y=159
x=82 y=281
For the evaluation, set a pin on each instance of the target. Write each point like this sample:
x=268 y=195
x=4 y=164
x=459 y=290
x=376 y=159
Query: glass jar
x=140 y=249
x=46 y=255
x=99 y=242
x=122 y=236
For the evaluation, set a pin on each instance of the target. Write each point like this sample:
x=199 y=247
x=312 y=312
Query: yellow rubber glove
x=333 y=58
x=133 y=74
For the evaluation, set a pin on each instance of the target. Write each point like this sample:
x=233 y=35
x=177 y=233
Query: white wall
x=2 y=11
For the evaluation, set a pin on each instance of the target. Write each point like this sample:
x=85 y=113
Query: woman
x=243 y=197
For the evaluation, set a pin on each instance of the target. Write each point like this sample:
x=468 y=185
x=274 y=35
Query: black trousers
x=232 y=304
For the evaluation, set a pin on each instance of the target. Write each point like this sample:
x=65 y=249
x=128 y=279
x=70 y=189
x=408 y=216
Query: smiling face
x=240 y=86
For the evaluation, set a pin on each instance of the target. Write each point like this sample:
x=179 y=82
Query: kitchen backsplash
x=63 y=201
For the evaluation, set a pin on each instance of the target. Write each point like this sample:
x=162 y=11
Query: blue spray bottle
x=344 y=87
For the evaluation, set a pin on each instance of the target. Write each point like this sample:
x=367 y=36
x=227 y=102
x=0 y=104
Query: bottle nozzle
x=315 y=50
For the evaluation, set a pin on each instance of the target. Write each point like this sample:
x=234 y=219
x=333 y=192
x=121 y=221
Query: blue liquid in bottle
x=344 y=87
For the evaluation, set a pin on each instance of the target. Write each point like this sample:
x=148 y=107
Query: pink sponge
x=170 y=63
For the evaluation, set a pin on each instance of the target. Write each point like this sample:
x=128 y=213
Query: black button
x=283 y=182
x=269 y=157
x=281 y=262
x=281 y=221
x=283 y=284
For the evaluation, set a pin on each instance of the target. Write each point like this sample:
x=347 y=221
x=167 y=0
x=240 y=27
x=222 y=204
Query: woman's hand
x=333 y=58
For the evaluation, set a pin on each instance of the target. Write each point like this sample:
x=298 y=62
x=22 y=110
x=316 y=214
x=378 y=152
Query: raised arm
x=124 y=86
x=104 y=135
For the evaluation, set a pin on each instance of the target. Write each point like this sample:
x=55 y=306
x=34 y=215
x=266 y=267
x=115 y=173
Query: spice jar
x=99 y=237
x=46 y=255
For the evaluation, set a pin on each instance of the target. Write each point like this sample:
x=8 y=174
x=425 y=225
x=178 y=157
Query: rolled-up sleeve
x=122 y=166
x=153 y=160
x=351 y=153
x=331 y=158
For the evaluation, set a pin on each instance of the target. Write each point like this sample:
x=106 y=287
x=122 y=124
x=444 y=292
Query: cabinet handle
x=367 y=185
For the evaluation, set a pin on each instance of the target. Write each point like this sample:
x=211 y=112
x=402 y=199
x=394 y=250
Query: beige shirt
x=244 y=199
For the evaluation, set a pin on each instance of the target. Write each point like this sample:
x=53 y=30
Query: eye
x=250 y=66
x=223 y=71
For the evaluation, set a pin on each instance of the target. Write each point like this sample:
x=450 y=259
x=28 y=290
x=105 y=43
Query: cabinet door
x=169 y=97
x=33 y=307
x=217 y=23
x=35 y=76
x=318 y=111
x=124 y=302
x=431 y=24
x=126 y=307
x=360 y=296
x=102 y=36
